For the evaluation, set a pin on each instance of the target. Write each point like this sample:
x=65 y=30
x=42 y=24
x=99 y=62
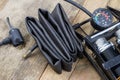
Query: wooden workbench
x=14 y=67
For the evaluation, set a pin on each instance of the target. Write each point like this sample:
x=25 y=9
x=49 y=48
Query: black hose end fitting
x=15 y=36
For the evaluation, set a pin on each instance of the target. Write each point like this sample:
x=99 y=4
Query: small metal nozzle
x=29 y=52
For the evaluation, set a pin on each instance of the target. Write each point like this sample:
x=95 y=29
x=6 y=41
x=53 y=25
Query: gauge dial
x=102 y=18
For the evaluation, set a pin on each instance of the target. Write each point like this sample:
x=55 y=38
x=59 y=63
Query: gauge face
x=102 y=17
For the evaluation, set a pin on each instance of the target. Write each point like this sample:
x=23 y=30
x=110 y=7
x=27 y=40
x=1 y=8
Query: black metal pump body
x=106 y=59
x=104 y=63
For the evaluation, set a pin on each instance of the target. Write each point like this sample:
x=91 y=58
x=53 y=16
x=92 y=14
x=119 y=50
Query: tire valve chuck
x=15 y=36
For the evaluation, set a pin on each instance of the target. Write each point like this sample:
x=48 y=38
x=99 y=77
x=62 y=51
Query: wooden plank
x=49 y=74
x=83 y=70
x=114 y=4
x=13 y=67
x=3 y=3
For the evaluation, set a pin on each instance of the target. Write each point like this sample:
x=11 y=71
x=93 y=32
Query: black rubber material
x=55 y=38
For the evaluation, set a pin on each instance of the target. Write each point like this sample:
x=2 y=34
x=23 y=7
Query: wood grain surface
x=14 y=67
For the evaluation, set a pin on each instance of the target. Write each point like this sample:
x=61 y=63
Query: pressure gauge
x=102 y=18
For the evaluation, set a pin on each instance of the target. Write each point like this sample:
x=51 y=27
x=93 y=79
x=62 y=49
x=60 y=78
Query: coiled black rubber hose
x=55 y=38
